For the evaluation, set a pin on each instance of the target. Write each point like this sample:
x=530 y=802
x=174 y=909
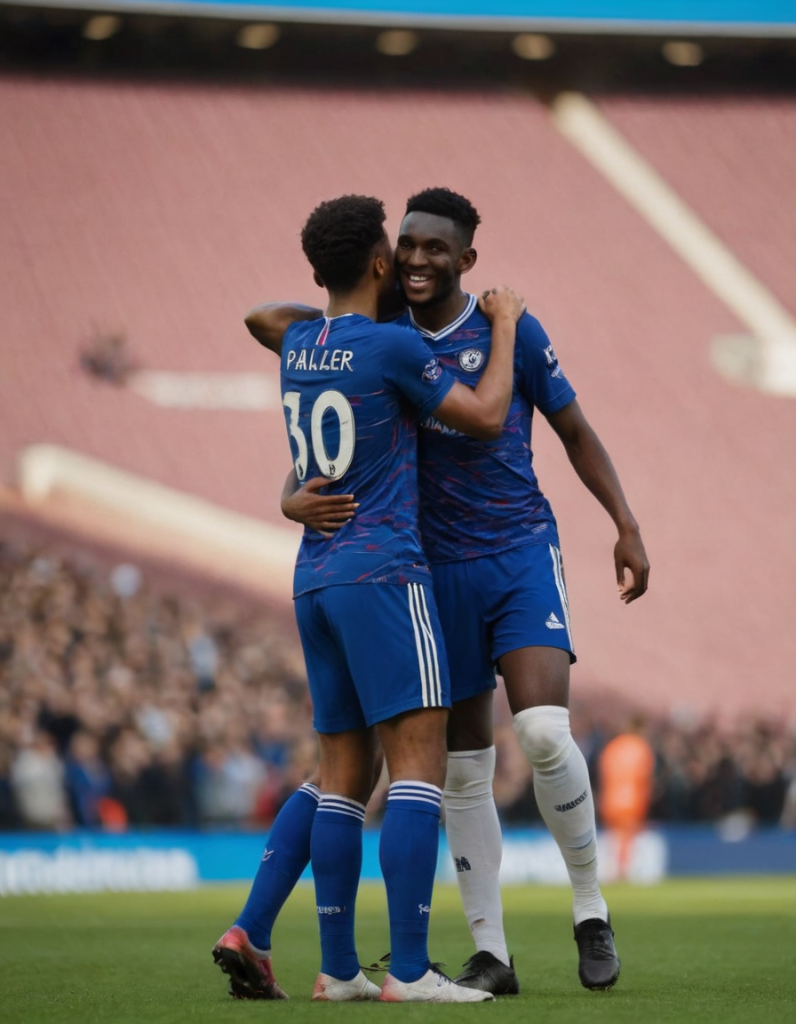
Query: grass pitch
x=718 y=950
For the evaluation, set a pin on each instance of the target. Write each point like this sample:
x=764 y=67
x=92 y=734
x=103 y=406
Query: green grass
x=719 y=950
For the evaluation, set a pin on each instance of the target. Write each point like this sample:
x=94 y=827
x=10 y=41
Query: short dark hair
x=442 y=202
x=340 y=236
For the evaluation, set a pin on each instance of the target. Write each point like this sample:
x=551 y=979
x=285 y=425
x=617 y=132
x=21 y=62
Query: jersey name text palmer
x=320 y=359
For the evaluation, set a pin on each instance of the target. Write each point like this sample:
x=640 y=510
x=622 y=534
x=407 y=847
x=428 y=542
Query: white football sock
x=563 y=794
x=476 y=845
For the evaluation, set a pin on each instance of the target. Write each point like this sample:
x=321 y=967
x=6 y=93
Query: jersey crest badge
x=470 y=359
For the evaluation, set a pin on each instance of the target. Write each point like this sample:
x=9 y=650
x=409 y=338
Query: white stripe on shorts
x=426 y=646
x=558 y=573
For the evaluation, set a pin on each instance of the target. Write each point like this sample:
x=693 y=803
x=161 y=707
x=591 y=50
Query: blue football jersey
x=352 y=392
x=480 y=497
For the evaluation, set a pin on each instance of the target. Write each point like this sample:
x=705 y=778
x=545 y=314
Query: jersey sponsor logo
x=470 y=359
x=329 y=359
x=432 y=423
x=553 y=622
x=433 y=370
x=462 y=864
x=572 y=803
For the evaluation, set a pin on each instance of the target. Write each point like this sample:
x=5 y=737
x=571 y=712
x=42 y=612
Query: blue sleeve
x=539 y=376
x=416 y=372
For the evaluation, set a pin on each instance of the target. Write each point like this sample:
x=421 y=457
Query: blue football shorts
x=372 y=651
x=491 y=605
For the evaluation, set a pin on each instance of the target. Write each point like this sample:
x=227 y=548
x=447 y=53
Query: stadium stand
x=147 y=207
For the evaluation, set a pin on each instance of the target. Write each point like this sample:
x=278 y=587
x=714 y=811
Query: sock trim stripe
x=311 y=790
x=342 y=805
x=419 y=787
x=421 y=792
x=436 y=804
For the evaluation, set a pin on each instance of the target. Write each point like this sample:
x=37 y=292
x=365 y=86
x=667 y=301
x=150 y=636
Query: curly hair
x=339 y=237
x=442 y=202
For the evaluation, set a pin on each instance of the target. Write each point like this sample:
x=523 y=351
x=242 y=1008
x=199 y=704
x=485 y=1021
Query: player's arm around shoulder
x=481 y=412
x=269 y=321
x=306 y=504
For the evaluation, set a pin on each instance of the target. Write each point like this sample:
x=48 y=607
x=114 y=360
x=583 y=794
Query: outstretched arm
x=481 y=412
x=594 y=467
x=268 y=322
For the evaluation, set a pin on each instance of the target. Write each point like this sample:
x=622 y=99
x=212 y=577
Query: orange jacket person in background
x=626 y=770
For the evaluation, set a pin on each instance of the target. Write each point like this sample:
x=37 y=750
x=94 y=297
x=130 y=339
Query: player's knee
x=544 y=735
x=469 y=777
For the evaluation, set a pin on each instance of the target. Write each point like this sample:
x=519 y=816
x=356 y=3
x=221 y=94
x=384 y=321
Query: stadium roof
x=756 y=18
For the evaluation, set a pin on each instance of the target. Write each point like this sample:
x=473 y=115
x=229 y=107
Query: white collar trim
x=465 y=313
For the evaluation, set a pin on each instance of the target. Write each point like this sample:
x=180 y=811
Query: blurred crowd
x=123 y=706
x=737 y=775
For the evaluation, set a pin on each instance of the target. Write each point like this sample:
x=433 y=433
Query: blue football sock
x=286 y=855
x=336 y=866
x=408 y=855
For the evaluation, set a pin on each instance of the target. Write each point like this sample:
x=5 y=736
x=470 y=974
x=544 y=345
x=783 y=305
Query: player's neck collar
x=469 y=306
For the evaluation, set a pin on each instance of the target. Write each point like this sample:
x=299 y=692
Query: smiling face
x=431 y=255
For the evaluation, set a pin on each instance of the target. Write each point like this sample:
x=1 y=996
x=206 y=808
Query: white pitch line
x=584 y=126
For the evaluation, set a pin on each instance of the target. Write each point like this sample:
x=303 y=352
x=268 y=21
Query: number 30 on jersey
x=328 y=403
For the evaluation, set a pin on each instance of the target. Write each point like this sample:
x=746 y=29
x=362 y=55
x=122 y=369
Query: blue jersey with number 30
x=352 y=391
